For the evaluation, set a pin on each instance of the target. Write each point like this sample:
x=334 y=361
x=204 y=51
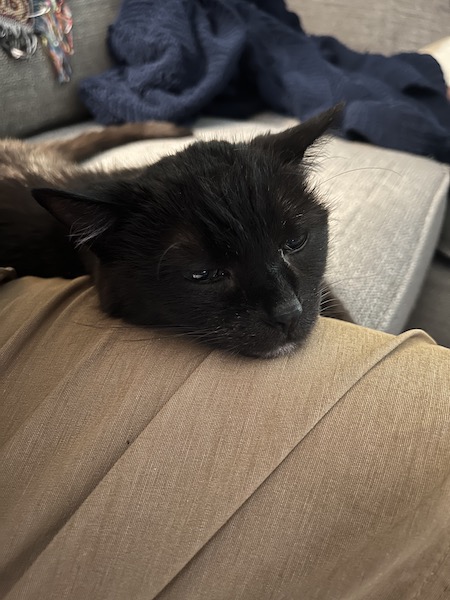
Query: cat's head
x=224 y=242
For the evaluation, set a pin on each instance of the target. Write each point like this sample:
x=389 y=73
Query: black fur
x=222 y=242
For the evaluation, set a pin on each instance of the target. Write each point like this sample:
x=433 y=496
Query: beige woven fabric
x=139 y=466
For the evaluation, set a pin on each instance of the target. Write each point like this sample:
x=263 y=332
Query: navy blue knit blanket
x=177 y=59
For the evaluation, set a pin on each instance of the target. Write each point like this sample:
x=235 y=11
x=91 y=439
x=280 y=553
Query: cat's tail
x=89 y=144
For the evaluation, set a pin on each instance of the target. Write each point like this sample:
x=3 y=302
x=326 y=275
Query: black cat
x=223 y=241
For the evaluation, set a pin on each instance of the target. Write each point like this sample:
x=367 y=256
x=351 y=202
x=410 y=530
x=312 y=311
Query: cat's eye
x=206 y=276
x=296 y=244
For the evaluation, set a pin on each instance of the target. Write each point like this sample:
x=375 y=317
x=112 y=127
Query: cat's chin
x=282 y=350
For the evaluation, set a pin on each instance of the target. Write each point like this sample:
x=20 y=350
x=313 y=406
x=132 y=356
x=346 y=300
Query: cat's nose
x=286 y=315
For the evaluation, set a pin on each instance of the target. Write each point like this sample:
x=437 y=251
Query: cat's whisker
x=327 y=298
x=329 y=307
x=106 y=327
x=334 y=157
x=167 y=329
x=329 y=301
x=158 y=268
x=322 y=181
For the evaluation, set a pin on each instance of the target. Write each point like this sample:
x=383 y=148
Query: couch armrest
x=385 y=26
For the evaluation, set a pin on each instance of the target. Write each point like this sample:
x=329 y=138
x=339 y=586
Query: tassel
x=53 y=22
x=17 y=37
x=23 y=21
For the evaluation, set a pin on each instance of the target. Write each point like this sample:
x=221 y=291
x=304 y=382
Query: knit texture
x=178 y=58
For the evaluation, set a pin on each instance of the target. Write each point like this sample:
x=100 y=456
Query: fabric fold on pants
x=178 y=439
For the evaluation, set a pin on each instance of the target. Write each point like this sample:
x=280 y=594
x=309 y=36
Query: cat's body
x=222 y=242
x=31 y=240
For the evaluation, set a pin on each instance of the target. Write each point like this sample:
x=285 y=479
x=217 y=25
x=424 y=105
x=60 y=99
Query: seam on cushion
x=378 y=358
x=405 y=282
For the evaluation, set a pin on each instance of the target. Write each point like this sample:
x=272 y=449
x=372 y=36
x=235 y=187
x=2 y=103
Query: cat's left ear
x=290 y=145
x=86 y=218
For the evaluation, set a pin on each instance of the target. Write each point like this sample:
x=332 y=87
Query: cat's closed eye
x=206 y=275
x=296 y=244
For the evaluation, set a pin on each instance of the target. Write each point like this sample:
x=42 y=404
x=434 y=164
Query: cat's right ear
x=86 y=218
x=290 y=145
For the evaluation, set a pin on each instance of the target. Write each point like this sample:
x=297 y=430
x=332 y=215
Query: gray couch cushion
x=385 y=26
x=386 y=213
x=30 y=97
x=388 y=209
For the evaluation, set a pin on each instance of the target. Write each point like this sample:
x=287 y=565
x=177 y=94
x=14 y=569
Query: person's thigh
x=136 y=464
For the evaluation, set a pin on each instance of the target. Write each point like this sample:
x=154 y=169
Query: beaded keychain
x=23 y=22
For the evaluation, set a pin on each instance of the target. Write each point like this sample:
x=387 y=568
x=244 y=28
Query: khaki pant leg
x=137 y=465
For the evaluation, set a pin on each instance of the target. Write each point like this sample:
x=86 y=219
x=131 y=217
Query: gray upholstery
x=388 y=212
x=30 y=97
x=385 y=26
